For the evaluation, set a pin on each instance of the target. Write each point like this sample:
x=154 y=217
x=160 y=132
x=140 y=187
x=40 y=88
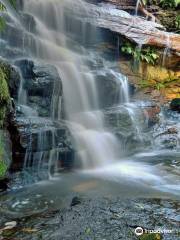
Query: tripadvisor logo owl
x=139 y=231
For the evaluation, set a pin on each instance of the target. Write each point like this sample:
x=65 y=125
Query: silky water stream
x=63 y=39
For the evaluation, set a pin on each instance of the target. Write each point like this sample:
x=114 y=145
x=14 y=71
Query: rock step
x=39 y=134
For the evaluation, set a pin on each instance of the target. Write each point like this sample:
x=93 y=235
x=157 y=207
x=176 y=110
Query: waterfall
x=137 y=6
x=62 y=37
x=94 y=144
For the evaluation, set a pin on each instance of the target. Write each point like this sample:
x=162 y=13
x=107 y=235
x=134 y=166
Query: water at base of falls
x=61 y=38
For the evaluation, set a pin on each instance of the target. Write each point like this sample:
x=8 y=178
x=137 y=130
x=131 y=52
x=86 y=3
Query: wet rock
x=166 y=137
x=151 y=113
x=28 y=22
x=42 y=84
x=75 y=201
x=108 y=89
x=3 y=184
x=34 y=135
x=130 y=117
x=94 y=219
x=175 y=104
x=26 y=67
x=38 y=138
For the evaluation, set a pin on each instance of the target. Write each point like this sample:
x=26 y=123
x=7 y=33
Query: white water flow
x=137 y=6
x=123 y=87
x=95 y=145
x=166 y=50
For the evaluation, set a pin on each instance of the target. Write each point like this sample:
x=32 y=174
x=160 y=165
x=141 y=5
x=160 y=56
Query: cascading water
x=137 y=7
x=166 y=50
x=95 y=146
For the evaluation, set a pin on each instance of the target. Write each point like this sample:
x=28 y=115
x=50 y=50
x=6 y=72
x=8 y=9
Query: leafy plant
x=169 y=3
x=144 y=84
x=177 y=21
x=147 y=54
x=159 y=86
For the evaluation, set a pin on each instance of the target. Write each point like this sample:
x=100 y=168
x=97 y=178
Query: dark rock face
x=37 y=137
x=35 y=133
x=41 y=82
x=108 y=89
x=175 y=104
x=3 y=185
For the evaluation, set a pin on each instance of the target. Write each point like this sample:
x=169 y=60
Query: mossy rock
x=3 y=165
x=151 y=236
x=4 y=95
x=4 y=91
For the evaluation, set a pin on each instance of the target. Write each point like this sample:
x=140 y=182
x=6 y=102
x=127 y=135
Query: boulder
x=166 y=137
x=130 y=117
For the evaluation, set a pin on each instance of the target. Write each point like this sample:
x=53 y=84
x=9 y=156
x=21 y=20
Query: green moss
x=3 y=166
x=4 y=94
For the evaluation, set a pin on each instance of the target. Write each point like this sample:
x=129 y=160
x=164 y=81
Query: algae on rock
x=4 y=105
x=3 y=164
x=4 y=95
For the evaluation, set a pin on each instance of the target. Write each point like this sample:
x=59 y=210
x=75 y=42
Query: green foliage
x=169 y=3
x=12 y=2
x=2 y=9
x=4 y=91
x=144 y=84
x=2 y=23
x=177 y=21
x=147 y=54
x=160 y=85
x=3 y=166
